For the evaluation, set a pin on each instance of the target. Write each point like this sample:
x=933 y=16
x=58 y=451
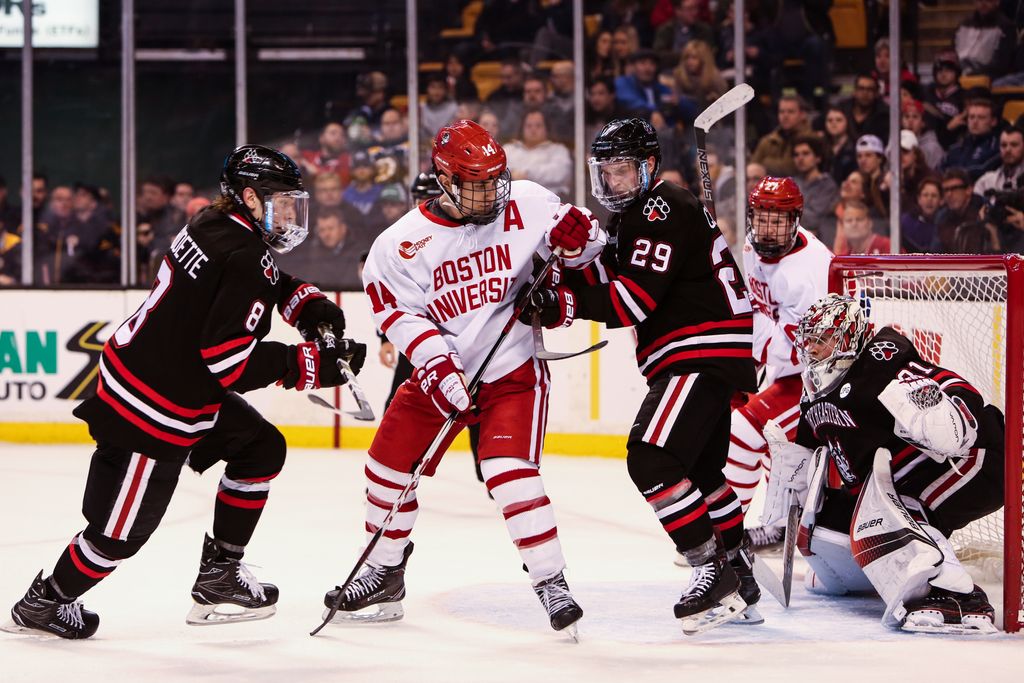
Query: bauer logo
x=408 y=250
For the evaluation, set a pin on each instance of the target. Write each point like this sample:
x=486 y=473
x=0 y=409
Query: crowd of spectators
x=961 y=175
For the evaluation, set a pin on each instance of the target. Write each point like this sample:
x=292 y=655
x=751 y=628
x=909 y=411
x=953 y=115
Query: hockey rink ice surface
x=470 y=614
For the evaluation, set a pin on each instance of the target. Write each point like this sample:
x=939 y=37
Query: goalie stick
x=365 y=411
x=788 y=548
x=435 y=445
x=542 y=352
x=719 y=109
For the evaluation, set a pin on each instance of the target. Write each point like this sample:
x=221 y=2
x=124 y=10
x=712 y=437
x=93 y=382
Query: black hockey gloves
x=317 y=312
x=313 y=365
x=556 y=306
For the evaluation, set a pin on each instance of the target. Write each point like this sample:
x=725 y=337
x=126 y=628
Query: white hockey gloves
x=942 y=426
x=787 y=481
x=442 y=379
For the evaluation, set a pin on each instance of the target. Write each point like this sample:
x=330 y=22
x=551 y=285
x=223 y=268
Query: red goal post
x=969 y=312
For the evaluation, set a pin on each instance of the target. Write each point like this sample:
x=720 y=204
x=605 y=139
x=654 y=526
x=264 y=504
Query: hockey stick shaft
x=435 y=445
x=365 y=411
x=719 y=109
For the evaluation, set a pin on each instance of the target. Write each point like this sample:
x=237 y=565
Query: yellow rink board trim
x=359 y=438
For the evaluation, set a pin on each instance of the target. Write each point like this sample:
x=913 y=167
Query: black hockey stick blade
x=769 y=580
x=542 y=352
x=723 y=106
x=788 y=548
x=365 y=412
x=317 y=400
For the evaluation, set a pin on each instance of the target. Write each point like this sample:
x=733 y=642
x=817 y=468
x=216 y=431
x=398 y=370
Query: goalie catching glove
x=942 y=426
x=442 y=379
x=787 y=481
x=313 y=365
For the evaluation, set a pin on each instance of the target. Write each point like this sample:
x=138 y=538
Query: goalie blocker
x=940 y=467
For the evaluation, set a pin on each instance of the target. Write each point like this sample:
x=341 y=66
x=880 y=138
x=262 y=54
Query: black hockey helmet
x=277 y=182
x=424 y=187
x=618 y=162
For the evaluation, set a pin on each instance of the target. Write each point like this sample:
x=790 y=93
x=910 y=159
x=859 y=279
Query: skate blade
x=11 y=626
x=374 y=614
x=207 y=615
x=751 y=616
x=573 y=632
x=730 y=608
x=932 y=622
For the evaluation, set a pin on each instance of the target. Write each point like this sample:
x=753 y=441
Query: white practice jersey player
x=436 y=286
x=787 y=270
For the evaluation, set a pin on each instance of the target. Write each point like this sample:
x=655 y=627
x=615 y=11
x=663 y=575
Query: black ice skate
x=743 y=565
x=765 y=538
x=43 y=610
x=563 y=611
x=943 y=611
x=374 y=596
x=226 y=591
x=711 y=599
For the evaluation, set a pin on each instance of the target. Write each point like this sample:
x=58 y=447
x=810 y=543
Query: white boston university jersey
x=436 y=286
x=781 y=291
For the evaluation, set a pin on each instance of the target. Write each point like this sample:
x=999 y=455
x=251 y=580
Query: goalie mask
x=619 y=173
x=829 y=338
x=773 y=216
x=277 y=182
x=475 y=164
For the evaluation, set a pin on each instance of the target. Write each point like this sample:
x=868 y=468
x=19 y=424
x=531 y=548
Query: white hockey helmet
x=830 y=336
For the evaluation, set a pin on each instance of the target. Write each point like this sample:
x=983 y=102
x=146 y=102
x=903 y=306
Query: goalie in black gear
x=919 y=454
x=667 y=272
x=168 y=396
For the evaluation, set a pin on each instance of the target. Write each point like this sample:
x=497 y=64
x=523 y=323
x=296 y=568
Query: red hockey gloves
x=317 y=312
x=442 y=379
x=556 y=307
x=570 y=232
x=313 y=366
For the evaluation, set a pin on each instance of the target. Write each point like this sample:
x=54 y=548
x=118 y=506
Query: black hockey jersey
x=853 y=423
x=166 y=369
x=668 y=271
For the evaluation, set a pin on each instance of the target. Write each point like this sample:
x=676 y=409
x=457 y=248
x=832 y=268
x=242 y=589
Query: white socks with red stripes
x=518 y=490
x=383 y=485
x=748 y=453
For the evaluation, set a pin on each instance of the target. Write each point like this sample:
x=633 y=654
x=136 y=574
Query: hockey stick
x=719 y=109
x=542 y=352
x=365 y=411
x=788 y=548
x=435 y=445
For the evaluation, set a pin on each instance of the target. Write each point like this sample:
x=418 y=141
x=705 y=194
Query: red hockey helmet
x=773 y=216
x=476 y=165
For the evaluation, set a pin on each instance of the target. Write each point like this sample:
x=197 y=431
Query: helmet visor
x=615 y=182
x=285 y=219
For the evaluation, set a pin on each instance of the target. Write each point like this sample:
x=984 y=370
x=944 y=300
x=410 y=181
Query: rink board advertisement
x=50 y=343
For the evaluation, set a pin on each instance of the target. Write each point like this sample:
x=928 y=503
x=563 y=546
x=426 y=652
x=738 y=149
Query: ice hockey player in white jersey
x=442 y=283
x=787 y=271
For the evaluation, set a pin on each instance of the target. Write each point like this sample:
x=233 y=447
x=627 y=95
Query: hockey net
x=965 y=313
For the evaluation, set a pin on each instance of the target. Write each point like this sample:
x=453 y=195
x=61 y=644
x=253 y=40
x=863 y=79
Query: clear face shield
x=616 y=182
x=481 y=200
x=285 y=221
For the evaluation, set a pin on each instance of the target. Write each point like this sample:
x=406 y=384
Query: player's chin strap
x=435 y=446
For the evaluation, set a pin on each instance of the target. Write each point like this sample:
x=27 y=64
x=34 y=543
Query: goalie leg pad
x=895 y=552
x=834 y=571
